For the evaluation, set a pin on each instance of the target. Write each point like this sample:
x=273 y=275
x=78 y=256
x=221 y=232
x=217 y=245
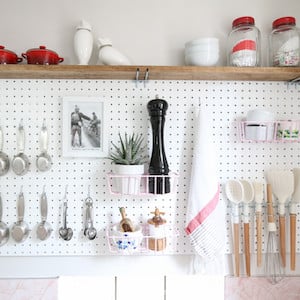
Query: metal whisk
x=273 y=260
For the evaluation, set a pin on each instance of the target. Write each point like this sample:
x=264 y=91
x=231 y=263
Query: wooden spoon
x=125 y=224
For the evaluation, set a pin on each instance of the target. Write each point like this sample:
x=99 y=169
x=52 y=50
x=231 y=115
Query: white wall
x=149 y=32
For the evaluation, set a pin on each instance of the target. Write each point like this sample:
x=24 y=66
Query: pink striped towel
x=204 y=219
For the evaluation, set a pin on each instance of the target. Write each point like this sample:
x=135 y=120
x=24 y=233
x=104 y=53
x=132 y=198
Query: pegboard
x=125 y=109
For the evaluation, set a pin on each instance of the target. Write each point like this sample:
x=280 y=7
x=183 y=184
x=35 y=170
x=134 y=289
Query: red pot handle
x=60 y=59
x=19 y=59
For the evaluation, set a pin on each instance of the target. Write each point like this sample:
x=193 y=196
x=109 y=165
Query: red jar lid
x=243 y=21
x=284 y=21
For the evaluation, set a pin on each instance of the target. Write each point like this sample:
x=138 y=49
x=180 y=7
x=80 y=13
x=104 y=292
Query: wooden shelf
x=23 y=71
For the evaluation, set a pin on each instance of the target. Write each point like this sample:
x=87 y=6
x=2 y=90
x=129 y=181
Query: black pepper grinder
x=158 y=164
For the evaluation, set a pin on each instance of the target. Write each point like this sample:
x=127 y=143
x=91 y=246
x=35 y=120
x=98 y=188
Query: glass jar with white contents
x=284 y=43
x=243 y=43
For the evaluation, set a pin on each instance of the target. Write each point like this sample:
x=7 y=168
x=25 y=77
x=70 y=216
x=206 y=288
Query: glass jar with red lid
x=243 y=43
x=284 y=43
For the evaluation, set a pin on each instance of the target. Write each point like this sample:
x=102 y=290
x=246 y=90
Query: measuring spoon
x=65 y=232
x=90 y=231
x=234 y=192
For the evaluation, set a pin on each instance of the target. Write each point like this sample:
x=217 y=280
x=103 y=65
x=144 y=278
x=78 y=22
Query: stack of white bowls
x=202 y=52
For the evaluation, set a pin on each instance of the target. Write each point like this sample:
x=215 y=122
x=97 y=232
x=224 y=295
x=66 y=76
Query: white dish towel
x=205 y=220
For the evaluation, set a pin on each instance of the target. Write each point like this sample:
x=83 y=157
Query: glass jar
x=243 y=43
x=284 y=43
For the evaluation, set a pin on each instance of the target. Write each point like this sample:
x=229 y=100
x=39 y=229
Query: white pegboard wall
x=34 y=100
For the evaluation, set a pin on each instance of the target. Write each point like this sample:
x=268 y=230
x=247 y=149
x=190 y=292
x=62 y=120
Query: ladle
x=66 y=233
x=90 y=231
x=4 y=231
x=234 y=192
x=248 y=197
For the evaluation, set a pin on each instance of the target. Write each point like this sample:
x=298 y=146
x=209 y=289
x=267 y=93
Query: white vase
x=128 y=179
x=109 y=55
x=83 y=43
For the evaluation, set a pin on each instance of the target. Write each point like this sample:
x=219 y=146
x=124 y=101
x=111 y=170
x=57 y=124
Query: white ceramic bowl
x=202 y=58
x=202 y=41
x=127 y=241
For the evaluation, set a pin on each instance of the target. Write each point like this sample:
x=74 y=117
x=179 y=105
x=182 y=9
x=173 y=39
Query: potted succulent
x=128 y=163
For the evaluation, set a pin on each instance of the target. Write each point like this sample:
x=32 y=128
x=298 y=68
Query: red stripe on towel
x=204 y=213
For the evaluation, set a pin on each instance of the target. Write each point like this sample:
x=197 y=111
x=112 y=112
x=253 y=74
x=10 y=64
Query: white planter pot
x=129 y=177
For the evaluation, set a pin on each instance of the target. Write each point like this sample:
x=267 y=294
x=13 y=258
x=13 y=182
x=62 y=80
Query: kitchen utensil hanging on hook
x=282 y=182
x=44 y=228
x=66 y=233
x=4 y=230
x=4 y=159
x=258 y=197
x=44 y=161
x=248 y=196
x=234 y=192
x=90 y=231
x=273 y=264
x=20 y=163
x=20 y=230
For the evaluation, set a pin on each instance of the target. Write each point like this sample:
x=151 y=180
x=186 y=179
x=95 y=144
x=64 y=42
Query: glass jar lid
x=284 y=21
x=243 y=21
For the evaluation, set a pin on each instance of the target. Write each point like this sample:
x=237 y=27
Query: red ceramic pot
x=8 y=57
x=42 y=56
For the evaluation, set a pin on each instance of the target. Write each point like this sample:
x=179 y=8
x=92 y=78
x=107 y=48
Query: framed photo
x=84 y=127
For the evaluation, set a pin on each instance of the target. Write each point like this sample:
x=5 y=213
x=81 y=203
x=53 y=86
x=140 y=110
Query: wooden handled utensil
x=125 y=224
x=282 y=182
x=258 y=198
x=234 y=192
x=248 y=196
x=293 y=214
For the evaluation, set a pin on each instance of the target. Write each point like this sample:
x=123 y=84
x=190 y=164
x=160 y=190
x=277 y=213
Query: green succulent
x=130 y=152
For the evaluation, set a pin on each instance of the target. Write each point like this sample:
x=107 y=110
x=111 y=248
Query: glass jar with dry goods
x=243 y=43
x=284 y=43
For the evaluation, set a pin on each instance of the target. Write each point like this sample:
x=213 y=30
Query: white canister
x=157 y=231
x=83 y=42
x=109 y=55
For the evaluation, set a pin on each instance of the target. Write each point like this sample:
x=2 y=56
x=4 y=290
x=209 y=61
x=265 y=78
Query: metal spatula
x=282 y=182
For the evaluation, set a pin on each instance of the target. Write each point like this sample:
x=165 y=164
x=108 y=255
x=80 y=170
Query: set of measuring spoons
x=20 y=163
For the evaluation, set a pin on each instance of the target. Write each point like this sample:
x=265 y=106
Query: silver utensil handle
x=44 y=207
x=44 y=139
x=65 y=207
x=21 y=138
x=21 y=207
x=88 y=218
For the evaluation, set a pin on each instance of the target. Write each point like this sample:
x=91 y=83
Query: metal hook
x=66 y=189
x=146 y=77
x=137 y=74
